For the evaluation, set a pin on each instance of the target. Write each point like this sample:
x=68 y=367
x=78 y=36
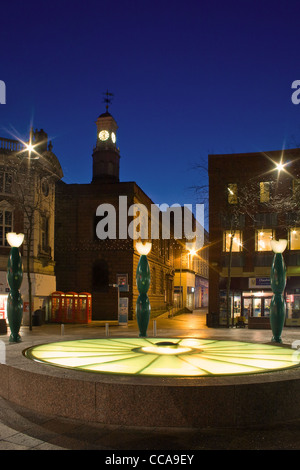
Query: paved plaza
x=22 y=429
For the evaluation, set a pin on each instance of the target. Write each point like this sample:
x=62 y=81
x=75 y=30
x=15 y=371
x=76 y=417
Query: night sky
x=189 y=78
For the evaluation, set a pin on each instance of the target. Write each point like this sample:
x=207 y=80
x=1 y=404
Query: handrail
x=11 y=144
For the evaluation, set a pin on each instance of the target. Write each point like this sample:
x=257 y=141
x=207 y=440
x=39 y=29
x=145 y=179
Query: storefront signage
x=259 y=282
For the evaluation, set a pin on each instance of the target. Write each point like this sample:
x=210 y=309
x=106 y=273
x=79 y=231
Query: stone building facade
x=27 y=205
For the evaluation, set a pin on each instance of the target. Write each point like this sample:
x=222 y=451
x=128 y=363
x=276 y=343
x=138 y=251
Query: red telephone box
x=71 y=307
x=57 y=306
x=84 y=310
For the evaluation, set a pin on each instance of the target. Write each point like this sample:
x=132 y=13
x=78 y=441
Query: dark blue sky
x=189 y=78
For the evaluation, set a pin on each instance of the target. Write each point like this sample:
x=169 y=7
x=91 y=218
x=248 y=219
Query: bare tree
x=34 y=171
x=243 y=205
x=29 y=182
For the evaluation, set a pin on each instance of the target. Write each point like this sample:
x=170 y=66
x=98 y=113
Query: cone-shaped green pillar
x=143 y=308
x=278 y=282
x=14 y=299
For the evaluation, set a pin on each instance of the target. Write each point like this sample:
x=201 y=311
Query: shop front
x=201 y=292
x=292 y=301
x=249 y=302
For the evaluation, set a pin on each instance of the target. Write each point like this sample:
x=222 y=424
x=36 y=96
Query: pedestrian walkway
x=22 y=429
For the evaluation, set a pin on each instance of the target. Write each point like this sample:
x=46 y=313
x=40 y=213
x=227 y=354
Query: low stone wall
x=231 y=401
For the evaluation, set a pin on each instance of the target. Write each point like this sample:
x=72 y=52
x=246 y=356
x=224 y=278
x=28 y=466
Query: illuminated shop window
x=236 y=238
x=295 y=239
x=264 y=191
x=232 y=193
x=263 y=240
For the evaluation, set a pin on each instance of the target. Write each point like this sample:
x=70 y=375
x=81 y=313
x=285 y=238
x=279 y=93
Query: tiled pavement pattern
x=21 y=429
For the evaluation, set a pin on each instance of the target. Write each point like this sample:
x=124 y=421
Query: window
x=162 y=286
x=232 y=237
x=232 y=193
x=263 y=239
x=268 y=219
x=295 y=239
x=153 y=280
x=44 y=233
x=5 y=182
x=264 y=191
x=5 y=226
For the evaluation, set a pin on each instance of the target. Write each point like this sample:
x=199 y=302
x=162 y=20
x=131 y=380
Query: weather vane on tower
x=108 y=97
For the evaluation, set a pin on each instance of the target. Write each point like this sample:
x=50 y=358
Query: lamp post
x=14 y=278
x=143 y=308
x=278 y=281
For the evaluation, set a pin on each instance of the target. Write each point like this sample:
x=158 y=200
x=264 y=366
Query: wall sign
x=259 y=282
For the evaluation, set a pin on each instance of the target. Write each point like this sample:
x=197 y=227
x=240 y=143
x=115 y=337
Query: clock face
x=103 y=135
x=113 y=137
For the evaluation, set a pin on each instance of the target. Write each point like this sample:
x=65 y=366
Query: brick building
x=85 y=263
x=253 y=198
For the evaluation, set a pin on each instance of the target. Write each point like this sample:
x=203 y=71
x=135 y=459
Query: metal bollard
x=154 y=328
x=62 y=329
x=106 y=329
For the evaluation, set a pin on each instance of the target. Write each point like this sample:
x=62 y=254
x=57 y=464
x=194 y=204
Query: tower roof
x=106 y=114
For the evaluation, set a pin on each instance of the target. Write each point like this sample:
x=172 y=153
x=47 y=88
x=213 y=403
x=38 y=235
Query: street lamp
x=279 y=167
x=143 y=308
x=278 y=281
x=14 y=279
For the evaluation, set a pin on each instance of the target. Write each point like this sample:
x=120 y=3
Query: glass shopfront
x=292 y=310
x=256 y=304
x=234 y=307
x=245 y=304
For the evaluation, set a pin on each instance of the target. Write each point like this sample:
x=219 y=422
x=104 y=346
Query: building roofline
x=264 y=152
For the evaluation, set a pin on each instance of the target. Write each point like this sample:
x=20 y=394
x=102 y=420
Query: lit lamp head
x=32 y=153
x=15 y=240
x=143 y=248
x=278 y=246
x=193 y=252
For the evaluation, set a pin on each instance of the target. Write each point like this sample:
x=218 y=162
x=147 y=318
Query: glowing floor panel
x=187 y=357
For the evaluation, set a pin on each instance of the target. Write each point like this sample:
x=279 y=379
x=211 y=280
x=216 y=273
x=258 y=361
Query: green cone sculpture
x=143 y=308
x=14 y=279
x=278 y=282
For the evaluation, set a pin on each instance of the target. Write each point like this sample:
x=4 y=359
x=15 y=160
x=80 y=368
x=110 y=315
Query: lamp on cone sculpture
x=14 y=279
x=278 y=282
x=143 y=308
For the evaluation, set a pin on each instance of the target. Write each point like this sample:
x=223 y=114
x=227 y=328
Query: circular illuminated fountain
x=185 y=357
x=184 y=382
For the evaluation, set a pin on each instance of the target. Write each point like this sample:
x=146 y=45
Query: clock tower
x=106 y=156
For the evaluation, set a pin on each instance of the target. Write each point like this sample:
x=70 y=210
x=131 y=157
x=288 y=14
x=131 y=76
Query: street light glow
x=278 y=246
x=15 y=239
x=143 y=248
x=31 y=149
x=279 y=167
